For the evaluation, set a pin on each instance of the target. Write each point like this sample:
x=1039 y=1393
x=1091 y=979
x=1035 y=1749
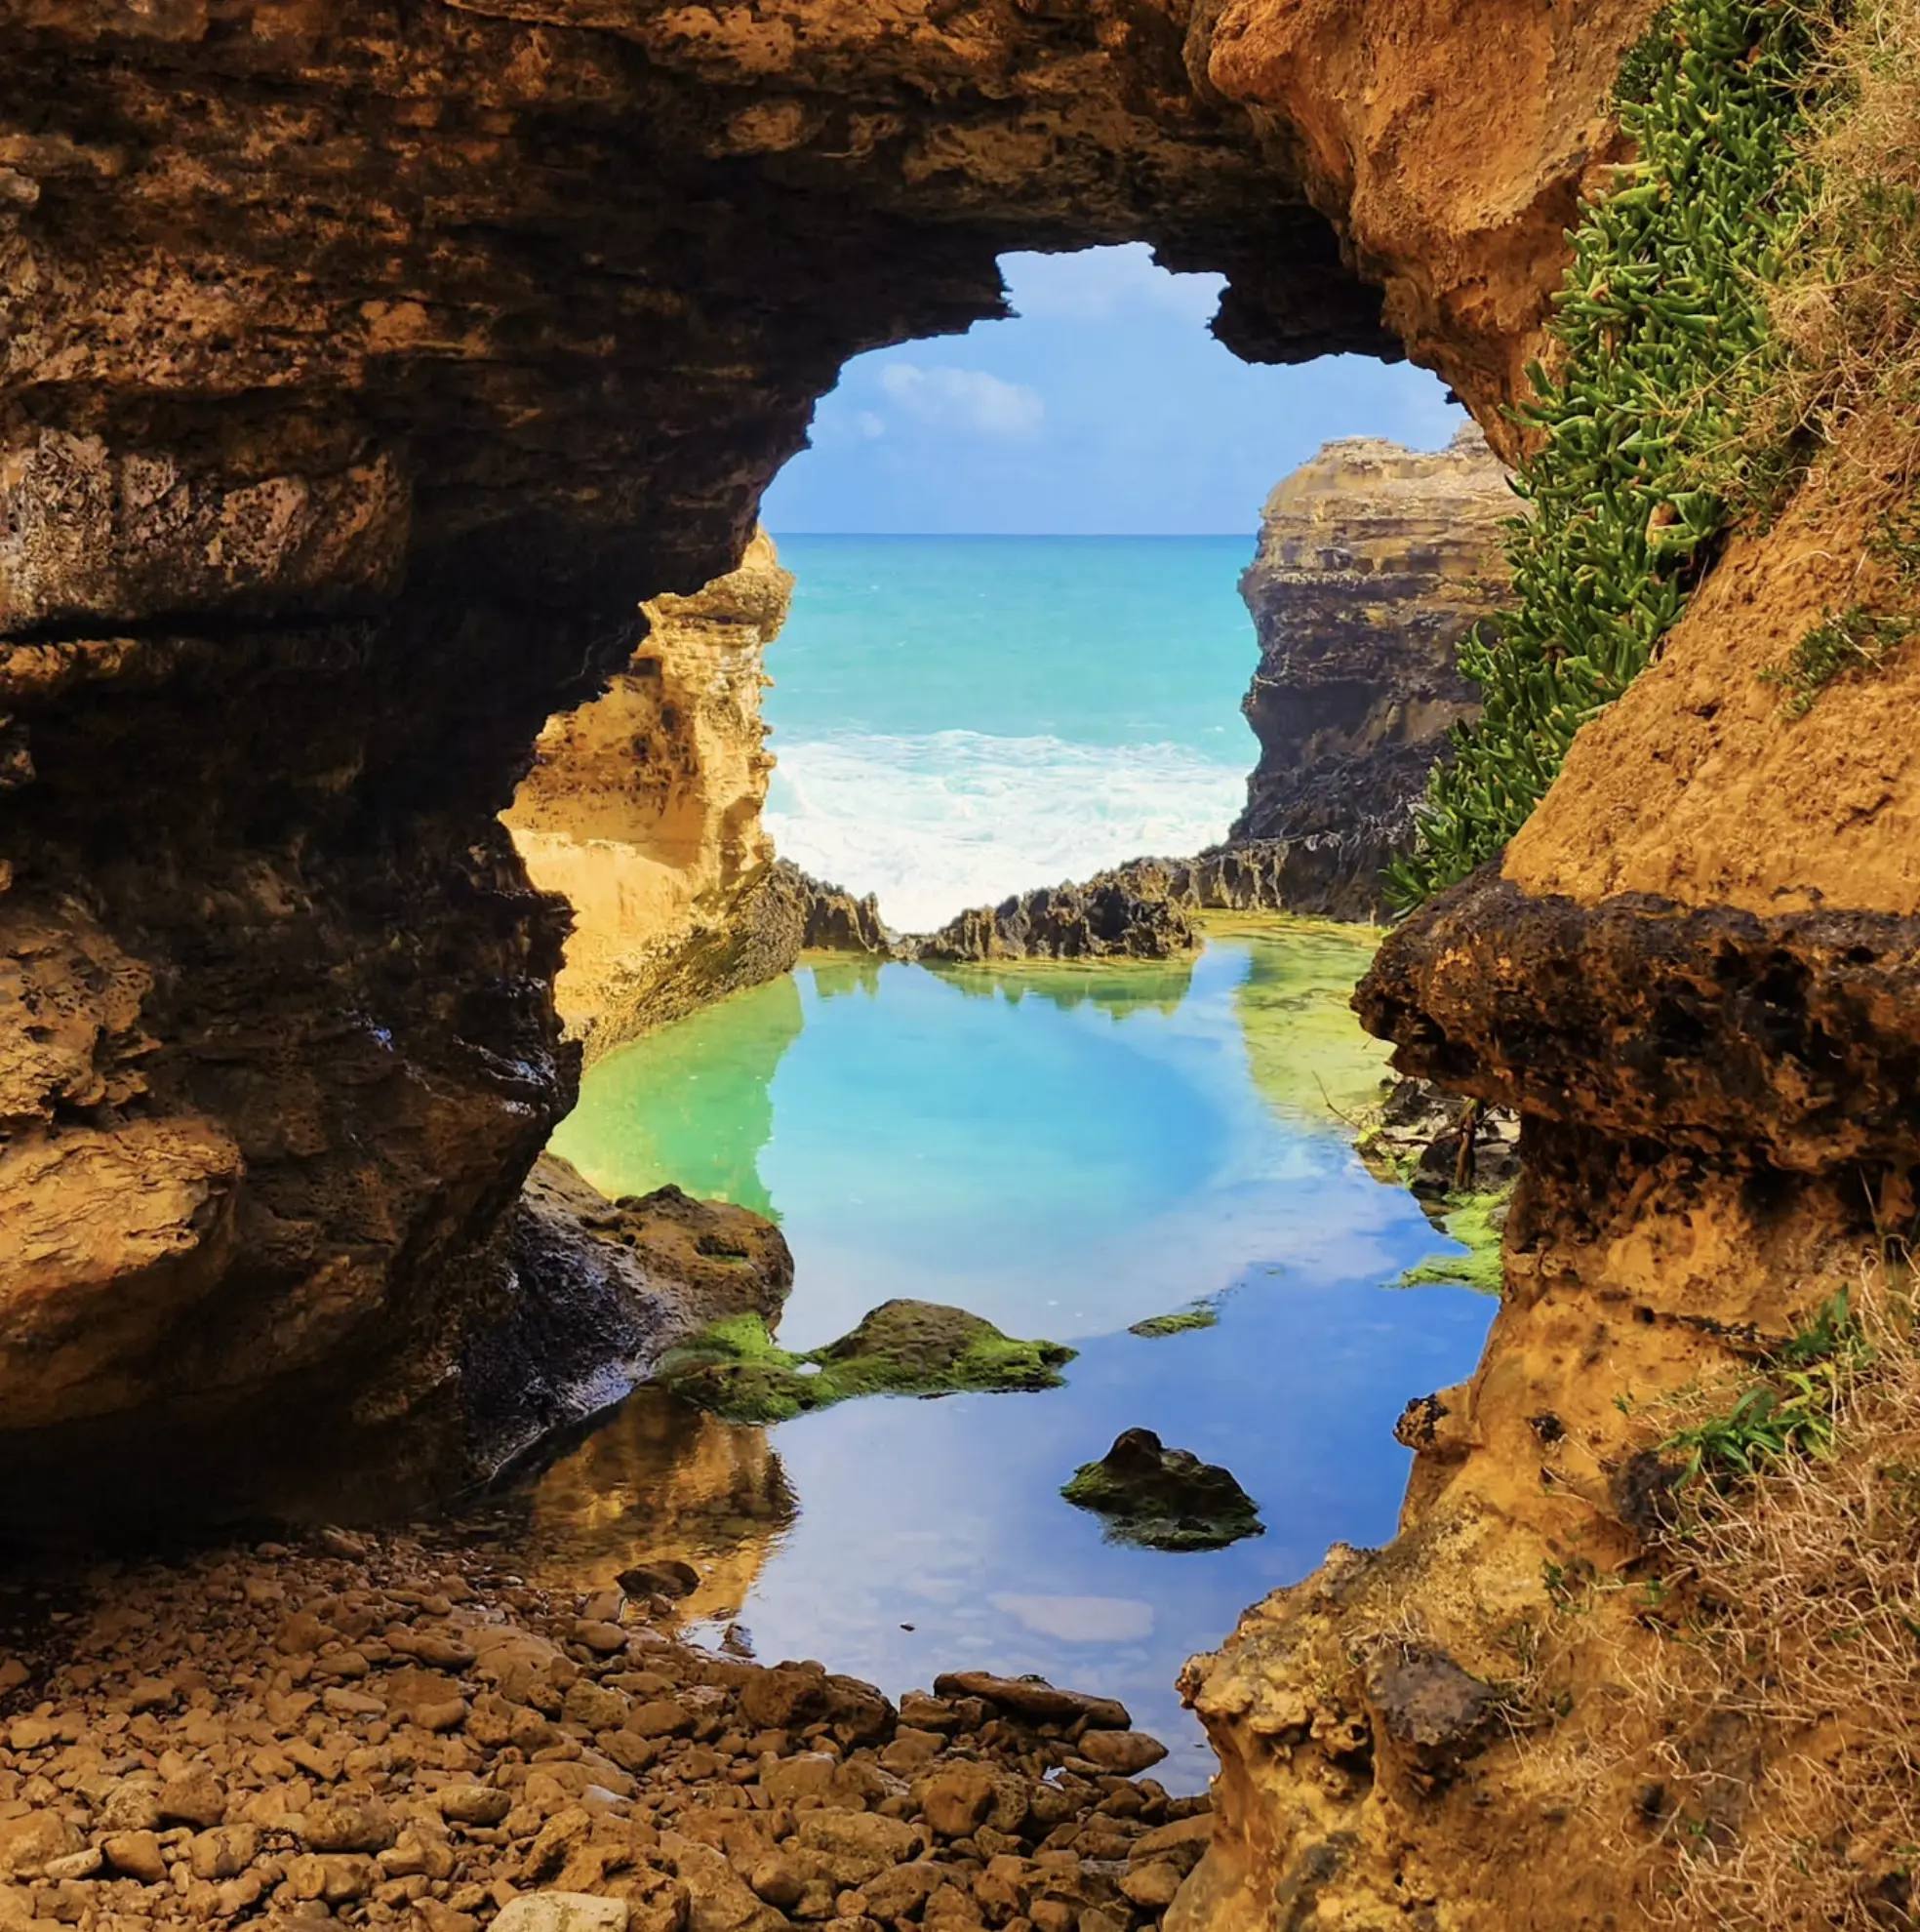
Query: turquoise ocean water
x=961 y=718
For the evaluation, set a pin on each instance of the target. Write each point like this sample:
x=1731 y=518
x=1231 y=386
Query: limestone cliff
x=362 y=372
x=1696 y=976
x=1372 y=563
x=642 y=811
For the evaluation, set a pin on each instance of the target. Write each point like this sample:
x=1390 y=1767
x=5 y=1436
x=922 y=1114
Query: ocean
x=958 y=718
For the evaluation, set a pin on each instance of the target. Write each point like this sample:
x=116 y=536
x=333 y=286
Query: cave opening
x=298 y=555
x=1016 y=653
x=1018 y=650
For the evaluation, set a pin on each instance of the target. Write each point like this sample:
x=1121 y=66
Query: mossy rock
x=736 y=1370
x=1200 y=1314
x=1162 y=1498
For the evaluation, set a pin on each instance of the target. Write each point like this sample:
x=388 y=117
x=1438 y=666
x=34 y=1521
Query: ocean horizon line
x=1025 y=535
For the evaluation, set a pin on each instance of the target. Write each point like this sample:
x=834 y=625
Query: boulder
x=1163 y=1499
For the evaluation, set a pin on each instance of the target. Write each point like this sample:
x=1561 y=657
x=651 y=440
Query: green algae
x=690 y=1104
x=735 y=1369
x=1201 y=1314
x=1304 y=1049
x=1476 y=1221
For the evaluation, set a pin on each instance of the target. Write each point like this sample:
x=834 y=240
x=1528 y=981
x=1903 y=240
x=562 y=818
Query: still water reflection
x=1064 y=1152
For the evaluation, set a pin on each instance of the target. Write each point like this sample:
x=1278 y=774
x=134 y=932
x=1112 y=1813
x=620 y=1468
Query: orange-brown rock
x=1696 y=976
x=1699 y=788
x=642 y=811
x=1450 y=142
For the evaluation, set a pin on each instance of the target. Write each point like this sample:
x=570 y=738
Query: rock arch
x=362 y=367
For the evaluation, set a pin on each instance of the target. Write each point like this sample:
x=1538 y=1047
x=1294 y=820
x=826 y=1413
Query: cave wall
x=1694 y=973
x=362 y=369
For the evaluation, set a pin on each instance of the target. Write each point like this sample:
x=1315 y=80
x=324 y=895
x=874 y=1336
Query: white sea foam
x=933 y=825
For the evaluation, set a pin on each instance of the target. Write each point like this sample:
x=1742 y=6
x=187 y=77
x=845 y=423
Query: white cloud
x=966 y=399
x=1099 y=284
x=870 y=425
x=1080 y=1619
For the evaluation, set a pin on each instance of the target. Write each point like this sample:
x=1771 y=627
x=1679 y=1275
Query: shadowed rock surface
x=1166 y=1498
x=362 y=374
x=1373 y=563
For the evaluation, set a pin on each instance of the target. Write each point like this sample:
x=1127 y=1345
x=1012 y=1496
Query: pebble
x=361 y=1730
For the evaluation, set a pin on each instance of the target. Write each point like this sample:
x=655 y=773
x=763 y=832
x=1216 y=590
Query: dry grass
x=1847 y=307
x=1769 y=1701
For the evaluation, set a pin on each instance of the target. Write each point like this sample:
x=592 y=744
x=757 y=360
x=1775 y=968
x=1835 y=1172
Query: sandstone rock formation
x=1112 y=916
x=1374 y=562
x=1695 y=977
x=361 y=375
x=642 y=811
x=1139 y=911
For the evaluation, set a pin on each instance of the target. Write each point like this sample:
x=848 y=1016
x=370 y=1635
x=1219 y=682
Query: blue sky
x=1105 y=409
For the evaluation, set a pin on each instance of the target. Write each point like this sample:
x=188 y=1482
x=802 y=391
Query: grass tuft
x=1856 y=641
x=1789 y=1412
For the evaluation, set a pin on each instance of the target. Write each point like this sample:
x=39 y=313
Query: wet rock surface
x=617 y=1284
x=1144 y=909
x=1165 y=1499
x=1374 y=562
x=1790 y=1039
x=379 y=1732
x=1122 y=915
x=835 y=921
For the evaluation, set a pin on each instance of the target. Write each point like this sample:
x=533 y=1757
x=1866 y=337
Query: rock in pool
x=1162 y=1498
x=736 y=1370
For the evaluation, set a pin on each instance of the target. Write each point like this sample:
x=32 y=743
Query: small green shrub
x=1790 y=1412
x=1860 y=638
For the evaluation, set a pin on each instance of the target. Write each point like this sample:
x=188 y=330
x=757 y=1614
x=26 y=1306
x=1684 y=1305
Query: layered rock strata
x=642 y=811
x=362 y=375
x=1374 y=562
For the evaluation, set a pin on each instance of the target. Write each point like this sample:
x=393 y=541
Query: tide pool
x=1065 y=1151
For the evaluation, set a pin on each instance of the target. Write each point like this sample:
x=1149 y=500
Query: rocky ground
x=374 y=1731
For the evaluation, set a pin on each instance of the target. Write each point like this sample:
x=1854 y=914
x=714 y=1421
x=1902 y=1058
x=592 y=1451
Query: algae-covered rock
x=1478 y=1223
x=735 y=1368
x=1163 y=1499
x=1198 y=1314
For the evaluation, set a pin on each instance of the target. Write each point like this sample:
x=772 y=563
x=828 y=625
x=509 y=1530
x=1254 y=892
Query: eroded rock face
x=1374 y=562
x=1715 y=1070
x=1449 y=141
x=642 y=810
x=363 y=373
